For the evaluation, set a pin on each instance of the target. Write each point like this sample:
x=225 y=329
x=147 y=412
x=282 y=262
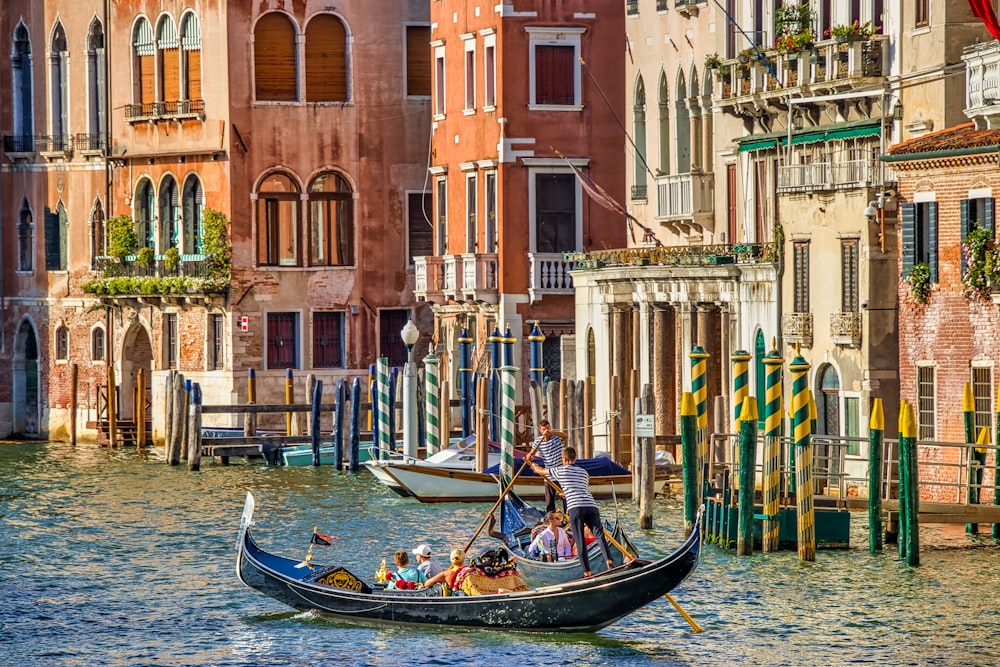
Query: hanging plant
x=122 y=239
x=919 y=279
x=218 y=252
x=981 y=263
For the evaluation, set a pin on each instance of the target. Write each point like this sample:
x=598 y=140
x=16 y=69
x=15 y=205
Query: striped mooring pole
x=909 y=484
x=773 y=413
x=747 y=475
x=382 y=390
x=977 y=459
x=699 y=389
x=536 y=338
x=496 y=361
x=432 y=402
x=465 y=379
x=801 y=481
x=689 y=459
x=876 y=465
x=995 y=533
x=508 y=348
x=741 y=389
x=507 y=393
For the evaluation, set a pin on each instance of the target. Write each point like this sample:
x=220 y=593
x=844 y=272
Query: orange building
x=522 y=93
x=303 y=124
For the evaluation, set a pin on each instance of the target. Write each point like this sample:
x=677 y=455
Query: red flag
x=599 y=195
x=322 y=540
x=983 y=10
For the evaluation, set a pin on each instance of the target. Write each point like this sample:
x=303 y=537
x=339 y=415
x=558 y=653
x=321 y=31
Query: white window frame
x=538 y=36
x=441 y=214
x=541 y=169
x=469 y=60
x=489 y=70
x=471 y=209
x=440 y=79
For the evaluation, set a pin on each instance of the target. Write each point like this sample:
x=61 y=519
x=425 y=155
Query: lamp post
x=409 y=335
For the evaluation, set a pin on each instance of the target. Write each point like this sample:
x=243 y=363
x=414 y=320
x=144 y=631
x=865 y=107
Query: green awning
x=835 y=132
x=757 y=144
x=854 y=132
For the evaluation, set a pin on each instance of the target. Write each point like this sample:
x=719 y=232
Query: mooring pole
x=748 y=474
x=876 y=463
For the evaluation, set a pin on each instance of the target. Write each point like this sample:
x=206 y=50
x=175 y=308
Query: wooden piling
x=340 y=397
x=314 y=430
x=876 y=461
x=178 y=414
x=636 y=448
x=74 y=379
x=588 y=426
x=569 y=414
x=614 y=420
x=140 y=415
x=194 y=429
x=353 y=462
x=289 y=399
x=748 y=474
x=909 y=525
x=183 y=423
x=482 y=424
x=552 y=405
x=112 y=407
x=250 y=421
x=310 y=388
x=537 y=408
x=168 y=402
x=647 y=470
x=564 y=424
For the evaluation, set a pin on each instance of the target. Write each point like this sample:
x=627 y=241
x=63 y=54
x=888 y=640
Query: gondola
x=584 y=605
x=517 y=518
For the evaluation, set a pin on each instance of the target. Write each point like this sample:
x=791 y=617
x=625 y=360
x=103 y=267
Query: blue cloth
x=595 y=467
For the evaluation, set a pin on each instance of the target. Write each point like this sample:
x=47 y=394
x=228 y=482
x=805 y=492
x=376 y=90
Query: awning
x=757 y=144
x=836 y=132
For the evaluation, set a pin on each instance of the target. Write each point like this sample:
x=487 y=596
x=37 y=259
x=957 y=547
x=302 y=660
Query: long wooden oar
x=503 y=495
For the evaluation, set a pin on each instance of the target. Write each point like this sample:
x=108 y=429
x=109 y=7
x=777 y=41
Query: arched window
x=97 y=88
x=664 y=120
x=639 y=135
x=62 y=343
x=24 y=125
x=326 y=59
x=170 y=215
x=97 y=232
x=278 y=221
x=191 y=53
x=170 y=62
x=331 y=221
x=59 y=92
x=98 y=348
x=275 y=65
x=25 y=238
x=828 y=403
x=145 y=208
x=683 y=127
x=192 y=203
x=56 y=238
x=143 y=64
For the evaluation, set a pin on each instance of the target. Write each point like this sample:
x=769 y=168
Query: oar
x=502 y=496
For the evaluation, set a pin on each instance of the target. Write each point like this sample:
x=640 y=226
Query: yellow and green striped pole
x=741 y=389
x=801 y=463
x=773 y=413
x=876 y=452
x=432 y=402
x=976 y=459
x=382 y=391
x=699 y=388
x=508 y=375
x=909 y=526
x=995 y=533
x=747 y=474
x=689 y=459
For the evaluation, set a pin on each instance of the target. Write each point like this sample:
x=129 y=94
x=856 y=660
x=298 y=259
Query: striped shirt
x=575 y=483
x=551 y=450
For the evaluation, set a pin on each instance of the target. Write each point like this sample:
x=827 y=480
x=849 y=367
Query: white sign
x=244 y=323
x=644 y=426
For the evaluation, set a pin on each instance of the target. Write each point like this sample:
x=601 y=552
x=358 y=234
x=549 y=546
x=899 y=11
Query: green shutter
x=989 y=214
x=907 y=236
x=963 y=207
x=932 y=239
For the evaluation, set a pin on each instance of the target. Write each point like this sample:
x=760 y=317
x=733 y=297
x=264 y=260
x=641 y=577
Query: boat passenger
x=583 y=510
x=424 y=562
x=550 y=446
x=405 y=573
x=553 y=542
x=447 y=577
x=588 y=538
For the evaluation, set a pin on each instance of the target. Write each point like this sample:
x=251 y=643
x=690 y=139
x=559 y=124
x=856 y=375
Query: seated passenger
x=551 y=544
x=447 y=577
x=405 y=573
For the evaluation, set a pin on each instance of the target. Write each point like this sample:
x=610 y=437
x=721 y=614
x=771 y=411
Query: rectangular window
x=420 y=229
x=554 y=67
x=215 y=360
x=919 y=237
x=921 y=15
x=441 y=205
x=282 y=340
x=731 y=204
x=439 y=99
x=925 y=402
x=849 y=275
x=852 y=424
x=418 y=61
x=170 y=339
x=800 y=263
x=490 y=197
x=328 y=340
x=470 y=74
x=471 y=228
x=555 y=212
x=390 y=324
x=982 y=394
x=489 y=73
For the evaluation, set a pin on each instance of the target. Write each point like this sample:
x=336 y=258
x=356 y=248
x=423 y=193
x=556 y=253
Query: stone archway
x=25 y=390
x=137 y=353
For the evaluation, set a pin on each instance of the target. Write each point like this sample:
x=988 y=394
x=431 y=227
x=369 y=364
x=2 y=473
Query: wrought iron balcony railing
x=19 y=143
x=190 y=266
x=94 y=142
x=53 y=143
x=165 y=110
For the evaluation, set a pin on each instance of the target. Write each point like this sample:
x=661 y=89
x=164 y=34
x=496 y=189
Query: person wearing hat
x=424 y=562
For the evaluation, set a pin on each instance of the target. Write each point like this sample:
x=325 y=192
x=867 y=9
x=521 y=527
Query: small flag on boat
x=321 y=539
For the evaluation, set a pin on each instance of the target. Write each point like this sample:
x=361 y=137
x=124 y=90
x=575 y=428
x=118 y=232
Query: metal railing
x=703 y=255
x=19 y=143
x=53 y=143
x=846 y=326
x=797 y=328
x=90 y=142
x=165 y=110
x=683 y=195
x=191 y=266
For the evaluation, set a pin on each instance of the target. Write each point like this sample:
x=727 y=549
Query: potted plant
x=145 y=257
x=713 y=61
x=172 y=259
x=792 y=43
x=919 y=280
x=851 y=32
x=980 y=259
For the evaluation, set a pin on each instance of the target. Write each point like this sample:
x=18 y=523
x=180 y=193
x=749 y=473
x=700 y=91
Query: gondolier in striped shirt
x=550 y=446
x=580 y=504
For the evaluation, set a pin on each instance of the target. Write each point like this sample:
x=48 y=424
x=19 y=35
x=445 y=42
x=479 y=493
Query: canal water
x=110 y=557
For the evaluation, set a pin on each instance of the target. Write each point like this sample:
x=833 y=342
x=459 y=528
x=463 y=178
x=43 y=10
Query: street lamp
x=409 y=336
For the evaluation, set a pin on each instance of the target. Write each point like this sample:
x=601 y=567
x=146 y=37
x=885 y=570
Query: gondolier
x=580 y=504
x=550 y=446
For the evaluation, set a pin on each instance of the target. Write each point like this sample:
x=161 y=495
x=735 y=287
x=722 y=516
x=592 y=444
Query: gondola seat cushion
x=474 y=581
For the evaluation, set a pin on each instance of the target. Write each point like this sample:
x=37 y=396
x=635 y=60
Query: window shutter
x=326 y=60
x=101 y=95
x=963 y=227
x=275 y=70
x=932 y=233
x=171 y=59
x=908 y=216
x=989 y=214
x=51 y=240
x=193 y=75
x=554 y=75
x=421 y=230
x=147 y=79
x=418 y=60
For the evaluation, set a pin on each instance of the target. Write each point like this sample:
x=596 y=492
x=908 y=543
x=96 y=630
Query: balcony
x=196 y=280
x=156 y=111
x=428 y=278
x=831 y=66
x=456 y=277
x=190 y=266
x=982 y=84
x=479 y=277
x=692 y=255
x=797 y=328
x=684 y=195
x=819 y=176
x=548 y=273
x=19 y=146
x=689 y=7
x=93 y=144
x=845 y=328
x=52 y=146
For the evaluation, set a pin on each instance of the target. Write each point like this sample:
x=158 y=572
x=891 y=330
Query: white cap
x=422 y=550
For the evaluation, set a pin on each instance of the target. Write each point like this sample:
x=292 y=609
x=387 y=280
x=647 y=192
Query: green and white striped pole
x=773 y=413
x=699 y=389
x=801 y=479
x=508 y=377
x=432 y=400
x=876 y=464
x=382 y=388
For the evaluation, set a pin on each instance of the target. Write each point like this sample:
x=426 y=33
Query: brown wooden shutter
x=193 y=75
x=274 y=59
x=418 y=60
x=421 y=231
x=171 y=59
x=326 y=60
x=147 y=79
